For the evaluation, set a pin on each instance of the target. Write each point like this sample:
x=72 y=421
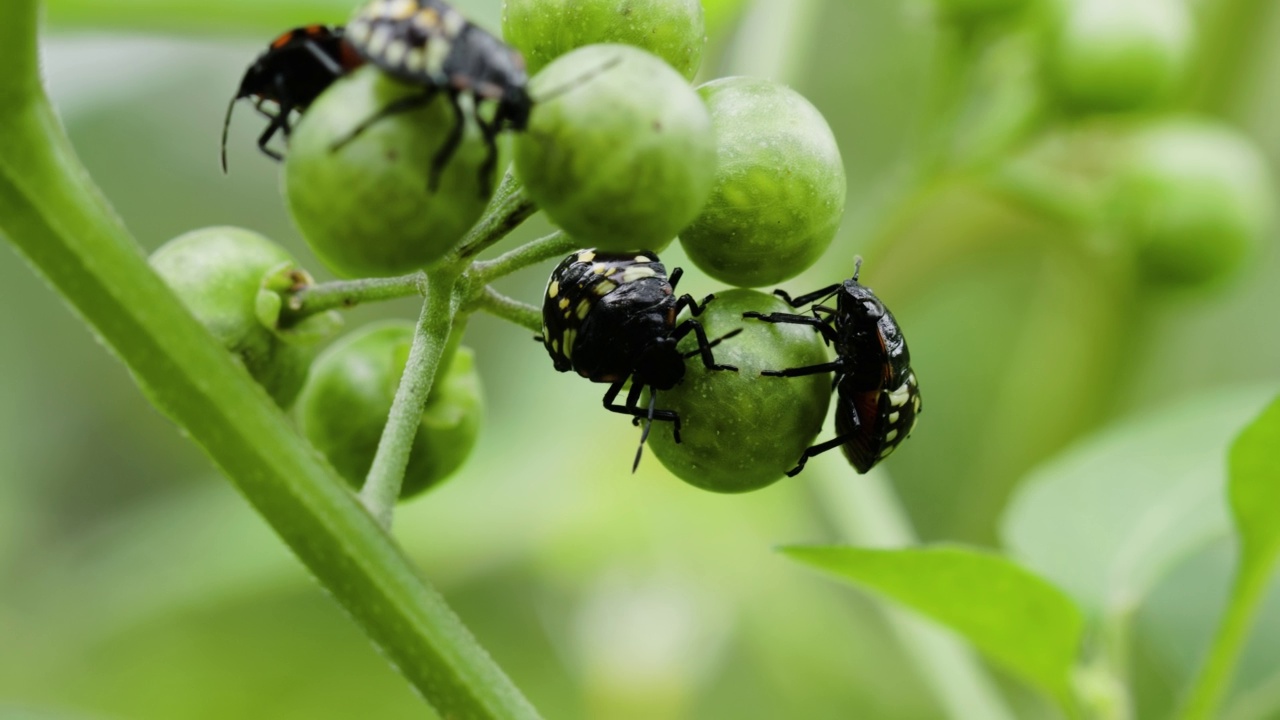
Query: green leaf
x=1254 y=495
x=1109 y=518
x=1014 y=617
x=1255 y=490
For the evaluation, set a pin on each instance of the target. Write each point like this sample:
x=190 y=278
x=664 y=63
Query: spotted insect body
x=878 y=397
x=430 y=44
x=612 y=317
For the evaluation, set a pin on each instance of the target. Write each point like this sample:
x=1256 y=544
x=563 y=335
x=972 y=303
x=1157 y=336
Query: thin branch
x=313 y=299
x=544 y=248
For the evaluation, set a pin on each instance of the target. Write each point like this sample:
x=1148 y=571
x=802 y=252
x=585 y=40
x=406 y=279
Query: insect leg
x=829 y=334
x=450 y=145
x=328 y=63
x=687 y=301
x=404 y=104
x=833 y=366
x=277 y=123
x=630 y=406
x=490 y=132
x=807 y=297
x=818 y=449
x=704 y=346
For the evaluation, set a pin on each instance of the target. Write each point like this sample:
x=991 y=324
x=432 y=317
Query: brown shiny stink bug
x=879 y=398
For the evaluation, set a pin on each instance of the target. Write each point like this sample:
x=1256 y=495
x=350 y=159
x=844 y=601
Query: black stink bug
x=430 y=44
x=612 y=317
x=292 y=72
x=878 y=396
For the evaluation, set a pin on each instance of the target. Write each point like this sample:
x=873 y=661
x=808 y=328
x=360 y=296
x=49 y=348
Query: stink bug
x=431 y=44
x=292 y=72
x=612 y=317
x=878 y=395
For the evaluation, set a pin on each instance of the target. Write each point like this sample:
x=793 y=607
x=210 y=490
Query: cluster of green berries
x=612 y=143
x=1188 y=197
x=394 y=162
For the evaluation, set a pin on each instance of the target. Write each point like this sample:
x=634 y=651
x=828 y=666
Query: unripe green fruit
x=1196 y=200
x=740 y=431
x=779 y=187
x=347 y=398
x=620 y=154
x=546 y=29
x=365 y=208
x=1111 y=55
x=218 y=273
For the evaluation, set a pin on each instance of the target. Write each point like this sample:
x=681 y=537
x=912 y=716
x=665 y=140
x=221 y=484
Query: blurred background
x=1058 y=364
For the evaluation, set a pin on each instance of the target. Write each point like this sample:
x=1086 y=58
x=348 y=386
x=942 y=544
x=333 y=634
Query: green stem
x=1215 y=675
x=497 y=304
x=382 y=486
x=342 y=294
x=1233 y=32
x=544 y=248
x=55 y=217
x=510 y=207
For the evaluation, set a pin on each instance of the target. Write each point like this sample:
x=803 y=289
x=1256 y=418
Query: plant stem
x=382 y=486
x=544 y=248
x=510 y=207
x=55 y=217
x=341 y=294
x=1233 y=31
x=1214 y=680
x=510 y=309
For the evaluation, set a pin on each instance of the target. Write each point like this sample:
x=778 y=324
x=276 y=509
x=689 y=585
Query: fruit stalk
x=431 y=337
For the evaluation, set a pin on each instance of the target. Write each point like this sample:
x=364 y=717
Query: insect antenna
x=644 y=434
x=574 y=83
x=713 y=343
x=226 y=126
x=857 y=266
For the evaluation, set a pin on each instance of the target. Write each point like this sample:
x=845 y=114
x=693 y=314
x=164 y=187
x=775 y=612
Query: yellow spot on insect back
x=637 y=272
x=553 y=289
x=586 y=256
x=399 y=9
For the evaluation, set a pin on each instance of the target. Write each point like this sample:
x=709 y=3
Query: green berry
x=345 y=404
x=1108 y=55
x=546 y=29
x=620 y=154
x=219 y=274
x=740 y=431
x=366 y=208
x=1195 y=198
x=779 y=188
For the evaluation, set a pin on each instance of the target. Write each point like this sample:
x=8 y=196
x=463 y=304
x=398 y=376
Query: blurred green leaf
x=1254 y=494
x=1016 y=618
x=1255 y=490
x=1107 y=519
